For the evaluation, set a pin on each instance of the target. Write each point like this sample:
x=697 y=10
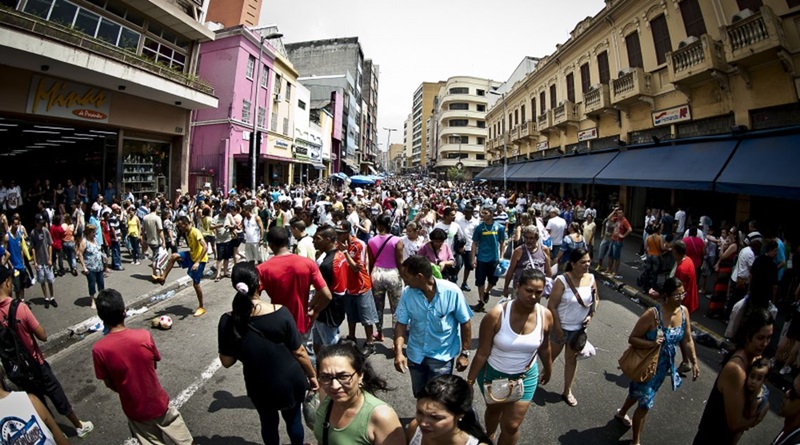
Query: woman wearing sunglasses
x=530 y=255
x=351 y=414
x=725 y=416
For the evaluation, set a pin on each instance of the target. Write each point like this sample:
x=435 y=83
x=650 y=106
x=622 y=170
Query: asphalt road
x=213 y=402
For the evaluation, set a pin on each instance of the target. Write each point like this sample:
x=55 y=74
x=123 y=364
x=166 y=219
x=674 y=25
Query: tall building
x=656 y=103
x=343 y=58
x=459 y=125
x=408 y=138
x=234 y=12
x=397 y=158
x=101 y=89
x=421 y=111
x=369 y=118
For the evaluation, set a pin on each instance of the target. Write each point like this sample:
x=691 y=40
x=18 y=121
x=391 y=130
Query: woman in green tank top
x=350 y=414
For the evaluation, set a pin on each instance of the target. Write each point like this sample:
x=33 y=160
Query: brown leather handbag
x=640 y=364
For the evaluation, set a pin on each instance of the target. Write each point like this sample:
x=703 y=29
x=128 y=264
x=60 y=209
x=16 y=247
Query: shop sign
x=69 y=100
x=585 y=135
x=677 y=114
x=280 y=143
x=315 y=154
x=542 y=145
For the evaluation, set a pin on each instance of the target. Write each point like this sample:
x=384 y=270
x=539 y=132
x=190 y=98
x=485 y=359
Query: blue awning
x=486 y=173
x=580 y=169
x=497 y=174
x=692 y=166
x=764 y=166
x=531 y=171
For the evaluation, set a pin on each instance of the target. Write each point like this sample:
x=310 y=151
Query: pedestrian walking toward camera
x=532 y=254
x=194 y=260
x=488 y=240
x=42 y=245
x=125 y=360
x=92 y=261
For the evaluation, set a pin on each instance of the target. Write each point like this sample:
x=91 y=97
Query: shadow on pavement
x=619 y=380
x=35 y=301
x=226 y=400
x=222 y=440
x=83 y=302
x=609 y=433
x=544 y=397
x=175 y=311
x=143 y=277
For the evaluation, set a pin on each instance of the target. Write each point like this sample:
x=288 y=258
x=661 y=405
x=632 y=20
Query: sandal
x=570 y=399
x=624 y=419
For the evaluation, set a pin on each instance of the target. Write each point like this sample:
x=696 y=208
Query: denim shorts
x=616 y=250
x=324 y=334
x=361 y=308
x=530 y=381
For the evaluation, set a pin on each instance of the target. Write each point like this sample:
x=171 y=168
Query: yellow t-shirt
x=133 y=226
x=194 y=240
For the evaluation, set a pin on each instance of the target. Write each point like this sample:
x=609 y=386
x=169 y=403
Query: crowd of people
x=325 y=253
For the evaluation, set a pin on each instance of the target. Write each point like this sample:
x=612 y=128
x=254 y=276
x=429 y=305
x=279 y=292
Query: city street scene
x=556 y=226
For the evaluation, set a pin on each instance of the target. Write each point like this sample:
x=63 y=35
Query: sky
x=415 y=41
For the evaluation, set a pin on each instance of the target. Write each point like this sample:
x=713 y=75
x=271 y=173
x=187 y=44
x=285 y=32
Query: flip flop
x=570 y=400
x=624 y=419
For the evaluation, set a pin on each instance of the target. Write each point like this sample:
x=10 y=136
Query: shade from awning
x=580 y=169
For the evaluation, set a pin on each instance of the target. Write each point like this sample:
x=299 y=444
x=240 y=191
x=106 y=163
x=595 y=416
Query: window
x=481 y=107
x=273 y=121
x=459 y=106
x=522 y=113
x=480 y=157
x=752 y=5
x=542 y=104
x=459 y=90
x=39 y=8
x=301 y=104
x=163 y=54
x=553 y=98
x=692 y=18
x=586 y=78
x=634 y=50
x=264 y=76
x=87 y=22
x=481 y=140
x=262 y=115
x=516 y=117
x=288 y=93
x=459 y=140
x=510 y=121
x=108 y=31
x=245 y=111
x=63 y=13
x=602 y=67
x=286 y=126
x=661 y=38
x=533 y=108
x=571 y=87
x=277 y=86
x=481 y=124
x=251 y=67
x=458 y=123
x=480 y=92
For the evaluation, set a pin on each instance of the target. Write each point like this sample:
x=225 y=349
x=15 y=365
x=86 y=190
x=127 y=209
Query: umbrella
x=361 y=180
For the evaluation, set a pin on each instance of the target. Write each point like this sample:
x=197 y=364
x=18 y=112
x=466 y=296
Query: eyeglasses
x=343 y=378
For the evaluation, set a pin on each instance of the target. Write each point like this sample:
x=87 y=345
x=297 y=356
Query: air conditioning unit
x=596 y=86
x=625 y=71
x=687 y=41
x=741 y=15
x=276 y=97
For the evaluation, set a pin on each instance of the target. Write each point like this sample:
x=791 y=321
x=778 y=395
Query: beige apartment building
x=685 y=79
x=422 y=110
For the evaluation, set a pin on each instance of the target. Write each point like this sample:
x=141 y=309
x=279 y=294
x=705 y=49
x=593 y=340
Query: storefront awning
x=531 y=171
x=692 y=166
x=580 y=169
x=497 y=175
x=485 y=173
x=764 y=166
x=318 y=166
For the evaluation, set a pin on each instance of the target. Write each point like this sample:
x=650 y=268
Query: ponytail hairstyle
x=575 y=256
x=455 y=394
x=245 y=280
x=370 y=381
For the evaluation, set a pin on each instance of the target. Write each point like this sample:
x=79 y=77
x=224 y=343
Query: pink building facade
x=221 y=136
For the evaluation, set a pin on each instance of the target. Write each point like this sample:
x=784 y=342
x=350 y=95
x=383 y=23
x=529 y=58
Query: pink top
x=387 y=259
x=445 y=254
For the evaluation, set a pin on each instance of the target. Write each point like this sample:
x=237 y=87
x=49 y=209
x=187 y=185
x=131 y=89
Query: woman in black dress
x=277 y=370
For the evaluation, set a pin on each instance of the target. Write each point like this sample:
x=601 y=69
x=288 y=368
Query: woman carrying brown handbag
x=669 y=325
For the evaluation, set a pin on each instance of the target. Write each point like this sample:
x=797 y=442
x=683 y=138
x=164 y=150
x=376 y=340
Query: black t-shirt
x=763 y=275
x=667 y=221
x=333 y=314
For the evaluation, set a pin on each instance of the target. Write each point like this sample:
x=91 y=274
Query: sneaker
x=85 y=429
x=33 y=281
x=199 y=312
x=47 y=303
x=465 y=287
x=478 y=307
x=54 y=302
x=368 y=349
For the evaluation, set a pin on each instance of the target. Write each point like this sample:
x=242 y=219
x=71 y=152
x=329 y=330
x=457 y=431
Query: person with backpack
x=23 y=359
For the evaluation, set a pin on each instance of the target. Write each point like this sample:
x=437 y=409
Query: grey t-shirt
x=152 y=227
x=41 y=242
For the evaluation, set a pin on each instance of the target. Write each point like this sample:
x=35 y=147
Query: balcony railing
x=596 y=100
x=76 y=38
x=514 y=135
x=753 y=35
x=696 y=60
x=632 y=85
x=565 y=113
x=544 y=121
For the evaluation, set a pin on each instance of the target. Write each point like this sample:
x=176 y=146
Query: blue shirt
x=434 y=328
x=98 y=234
x=489 y=239
x=780 y=258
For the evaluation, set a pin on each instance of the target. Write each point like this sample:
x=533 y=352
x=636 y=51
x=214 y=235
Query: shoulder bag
x=639 y=364
x=579 y=340
x=508 y=389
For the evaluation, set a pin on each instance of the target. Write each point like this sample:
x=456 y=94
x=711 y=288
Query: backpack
x=20 y=366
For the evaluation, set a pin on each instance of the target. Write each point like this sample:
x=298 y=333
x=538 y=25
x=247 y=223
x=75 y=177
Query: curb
x=65 y=338
x=644 y=299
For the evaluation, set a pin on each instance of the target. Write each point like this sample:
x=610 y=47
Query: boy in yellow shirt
x=194 y=260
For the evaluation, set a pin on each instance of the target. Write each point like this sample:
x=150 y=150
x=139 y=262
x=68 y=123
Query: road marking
x=187 y=393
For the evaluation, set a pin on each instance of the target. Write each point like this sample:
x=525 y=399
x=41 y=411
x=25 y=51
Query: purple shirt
x=387 y=258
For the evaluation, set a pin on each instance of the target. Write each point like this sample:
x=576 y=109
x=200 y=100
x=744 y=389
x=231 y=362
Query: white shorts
x=252 y=252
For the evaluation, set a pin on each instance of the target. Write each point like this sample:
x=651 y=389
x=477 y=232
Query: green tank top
x=356 y=432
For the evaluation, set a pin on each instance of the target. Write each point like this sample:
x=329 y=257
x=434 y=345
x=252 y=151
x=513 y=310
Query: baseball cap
x=343 y=226
x=39 y=218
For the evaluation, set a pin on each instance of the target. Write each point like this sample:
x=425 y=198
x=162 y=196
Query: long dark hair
x=575 y=256
x=370 y=381
x=245 y=280
x=455 y=394
x=752 y=322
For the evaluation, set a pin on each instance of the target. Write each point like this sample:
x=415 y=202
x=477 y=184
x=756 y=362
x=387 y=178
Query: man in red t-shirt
x=333 y=267
x=29 y=330
x=287 y=278
x=359 y=303
x=695 y=249
x=685 y=271
x=125 y=360
x=621 y=231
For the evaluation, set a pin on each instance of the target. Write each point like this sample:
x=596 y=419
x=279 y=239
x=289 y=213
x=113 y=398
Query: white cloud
x=415 y=41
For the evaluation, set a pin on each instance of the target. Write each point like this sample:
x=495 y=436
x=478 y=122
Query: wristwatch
x=465 y=353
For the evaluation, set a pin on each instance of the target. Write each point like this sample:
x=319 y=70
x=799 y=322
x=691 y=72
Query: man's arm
x=400 y=361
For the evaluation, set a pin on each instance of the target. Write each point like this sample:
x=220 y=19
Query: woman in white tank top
x=512 y=336
x=571 y=315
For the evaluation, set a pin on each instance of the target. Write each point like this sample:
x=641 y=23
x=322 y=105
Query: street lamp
x=253 y=142
x=459 y=165
x=505 y=136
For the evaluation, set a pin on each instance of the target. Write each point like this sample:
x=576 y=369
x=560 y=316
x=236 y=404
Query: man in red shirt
x=333 y=267
x=125 y=360
x=621 y=231
x=685 y=271
x=287 y=278
x=359 y=303
x=29 y=330
x=695 y=249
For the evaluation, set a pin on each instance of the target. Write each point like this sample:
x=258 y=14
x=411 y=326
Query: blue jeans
x=116 y=259
x=270 y=422
x=96 y=282
x=135 y=252
x=424 y=372
x=605 y=248
x=69 y=253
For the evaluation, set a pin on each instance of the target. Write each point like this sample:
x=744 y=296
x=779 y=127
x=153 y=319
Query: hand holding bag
x=640 y=364
x=580 y=339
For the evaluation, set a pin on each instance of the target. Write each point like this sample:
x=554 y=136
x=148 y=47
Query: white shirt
x=252 y=233
x=354 y=221
x=452 y=230
x=744 y=263
x=305 y=247
x=680 y=217
x=590 y=211
x=468 y=227
x=557 y=226
x=16 y=410
x=14 y=197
